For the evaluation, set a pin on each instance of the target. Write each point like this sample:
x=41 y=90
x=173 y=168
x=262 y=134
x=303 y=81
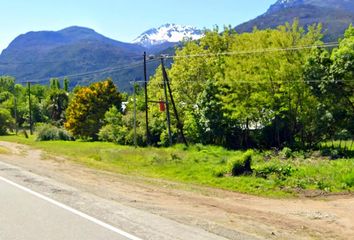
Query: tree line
x=270 y=88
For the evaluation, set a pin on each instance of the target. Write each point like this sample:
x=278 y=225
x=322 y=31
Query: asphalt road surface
x=36 y=206
x=27 y=215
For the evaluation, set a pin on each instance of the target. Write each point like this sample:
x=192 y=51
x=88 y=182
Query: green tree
x=263 y=88
x=211 y=121
x=56 y=104
x=6 y=121
x=342 y=84
x=114 y=129
x=188 y=77
x=330 y=76
x=66 y=84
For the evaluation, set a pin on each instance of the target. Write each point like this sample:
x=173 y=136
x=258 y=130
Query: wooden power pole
x=167 y=105
x=30 y=107
x=167 y=83
x=146 y=103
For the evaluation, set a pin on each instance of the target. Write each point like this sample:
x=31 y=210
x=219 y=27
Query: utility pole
x=134 y=86
x=30 y=107
x=179 y=124
x=16 y=120
x=146 y=103
x=167 y=105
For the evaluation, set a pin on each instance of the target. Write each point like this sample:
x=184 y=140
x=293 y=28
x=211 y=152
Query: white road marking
x=72 y=210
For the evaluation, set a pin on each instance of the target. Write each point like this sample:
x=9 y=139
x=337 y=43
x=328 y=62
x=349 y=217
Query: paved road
x=26 y=215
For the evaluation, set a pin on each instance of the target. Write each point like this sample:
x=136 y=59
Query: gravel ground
x=158 y=209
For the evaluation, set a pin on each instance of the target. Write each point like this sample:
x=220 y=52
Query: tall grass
x=272 y=175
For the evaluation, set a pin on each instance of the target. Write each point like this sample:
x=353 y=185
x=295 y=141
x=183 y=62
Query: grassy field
x=274 y=174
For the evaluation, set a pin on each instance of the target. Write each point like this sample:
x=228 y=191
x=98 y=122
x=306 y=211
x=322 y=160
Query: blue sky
x=122 y=20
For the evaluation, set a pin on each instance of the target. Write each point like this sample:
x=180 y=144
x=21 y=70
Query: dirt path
x=221 y=212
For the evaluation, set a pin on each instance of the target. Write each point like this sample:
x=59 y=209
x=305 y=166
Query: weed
x=281 y=172
x=286 y=153
x=242 y=166
x=258 y=173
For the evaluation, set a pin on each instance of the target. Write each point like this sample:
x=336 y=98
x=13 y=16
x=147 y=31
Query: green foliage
x=242 y=165
x=238 y=91
x=208 y=166
x=114 y=130
x=286 y=153
x=6 y=121
x=56 y=104
x=86 y=111
x=54 y=83
x=333 y=89
x=48 y=132
x=66 y=84
x=7 y=84
x=281 y=172
x=258 y=99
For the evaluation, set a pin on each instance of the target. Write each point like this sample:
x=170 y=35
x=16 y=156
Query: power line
x=155 y=59
x=100 y=71
x=133 y=57
x=266 y=50
x=267 y=81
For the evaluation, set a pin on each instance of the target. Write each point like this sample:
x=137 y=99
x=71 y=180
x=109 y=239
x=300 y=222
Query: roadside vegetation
x=267 y=173
x=267 y=89
x=281 y=92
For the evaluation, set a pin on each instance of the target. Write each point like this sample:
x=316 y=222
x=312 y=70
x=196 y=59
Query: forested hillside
x=269 y=88
x=334 y=15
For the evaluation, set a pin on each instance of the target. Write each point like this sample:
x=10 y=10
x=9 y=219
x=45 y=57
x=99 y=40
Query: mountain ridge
x=44 y=54
x=346 y=5
x=335 y=15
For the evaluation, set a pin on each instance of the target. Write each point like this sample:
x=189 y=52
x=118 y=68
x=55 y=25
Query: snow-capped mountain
x=168 y=33
x=281 y=4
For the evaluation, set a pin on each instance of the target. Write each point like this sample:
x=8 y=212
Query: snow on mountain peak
x=280 y=4
x=168 y=33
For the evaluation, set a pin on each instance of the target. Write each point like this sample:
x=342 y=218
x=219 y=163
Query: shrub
x=332 y=153
x=274 y=169
x=47 y=132
x=349 y=180
x=286 y=153
x=6 y=121
x=242 y=165
x=219 y=172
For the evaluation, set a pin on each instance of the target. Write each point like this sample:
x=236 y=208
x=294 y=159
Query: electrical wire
x=268 y=81
x=155 y=59
x=83 y=74
x=132 y=57
x=266 y=50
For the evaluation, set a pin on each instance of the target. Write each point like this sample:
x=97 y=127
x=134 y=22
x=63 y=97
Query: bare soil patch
x=222 y=212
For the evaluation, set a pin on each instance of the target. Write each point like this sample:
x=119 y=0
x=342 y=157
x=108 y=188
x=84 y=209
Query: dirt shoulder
x=223 y=213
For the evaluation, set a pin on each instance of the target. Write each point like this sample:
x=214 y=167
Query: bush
x=280 y=171
x=286 y=153
x=47 y=132
x=242 y=165
x=332 y=153
x=6 y=121
x=219 y=172
x=349 y=179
